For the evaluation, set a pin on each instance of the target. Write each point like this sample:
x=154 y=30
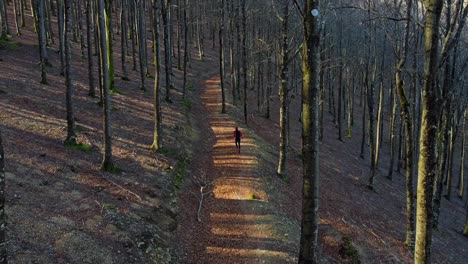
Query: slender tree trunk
x=379 y=126
x=450 y=161
x=244 y=58
x=363 y=120
x=167 y=47
x=283 y=95
x=141 y=44
x=238 y=51
x=123 y=38
x=157 y=101
x=179 y=30
x=310 y=135
x=392 y=133
x=4 y=30
x=92 y=91
x=428 y=136
x=107 y=163
x=42 y=42
x=110 y=49
x=61 y=35
x=370 y=101
x=22 y=7
x=340 y=79
x=462 y=160
x=71 y=135
x=17 y=15
x=221 y=59
x=441 y=168
x=80 y=28
x=186 y=47
x=409 y=242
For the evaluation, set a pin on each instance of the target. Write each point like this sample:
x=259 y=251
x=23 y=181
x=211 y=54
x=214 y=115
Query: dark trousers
x=238 y=143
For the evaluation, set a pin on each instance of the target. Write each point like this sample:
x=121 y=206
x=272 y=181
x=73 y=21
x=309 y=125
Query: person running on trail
x=237 y=136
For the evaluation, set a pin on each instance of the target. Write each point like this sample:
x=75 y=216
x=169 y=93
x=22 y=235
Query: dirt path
x=239 y=225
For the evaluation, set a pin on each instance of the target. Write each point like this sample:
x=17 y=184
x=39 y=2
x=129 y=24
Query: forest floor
x=62 y=209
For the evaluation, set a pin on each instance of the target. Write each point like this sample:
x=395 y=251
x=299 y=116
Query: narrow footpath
x=238 y=224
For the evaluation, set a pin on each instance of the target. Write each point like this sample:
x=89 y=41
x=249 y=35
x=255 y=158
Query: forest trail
x=238 y=224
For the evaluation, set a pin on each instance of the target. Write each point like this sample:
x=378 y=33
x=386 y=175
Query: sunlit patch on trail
x=242 y=252
x=248 y=230
x=244 y=217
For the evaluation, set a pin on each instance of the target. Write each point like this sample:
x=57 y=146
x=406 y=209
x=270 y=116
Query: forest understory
x=62 y=208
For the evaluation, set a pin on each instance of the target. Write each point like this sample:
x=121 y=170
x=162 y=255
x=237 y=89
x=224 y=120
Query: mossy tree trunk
x=405 y=113
x=428 y=135
x=157 y=62
x=310 y=134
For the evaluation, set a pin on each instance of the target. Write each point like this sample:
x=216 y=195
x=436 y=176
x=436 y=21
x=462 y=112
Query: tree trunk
x=310 y=134
x=370 y=102
x=340 y=79
x=107 y=163
x=462 y=160
x=109 y=49
x=409 y=242
x=17 y=15
x=450 y=160
x=379 y=125
x=61 y=35
x=141 y=44
x=157 y=102
x=428 y=135
x=442 y=146
x=123 y=38
x=363 y=120
x=186 y=52
x=167 y=47
x=283 y=95
x=392 y=133
x=244 y=58
x=71 y=135
x=91 y=92
x=42 y=41
x=221 y=59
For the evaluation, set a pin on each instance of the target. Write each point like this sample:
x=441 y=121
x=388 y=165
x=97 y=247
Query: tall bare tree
x=310 y=133
x=71 y=135
x=107 y=163
x=428 y=135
